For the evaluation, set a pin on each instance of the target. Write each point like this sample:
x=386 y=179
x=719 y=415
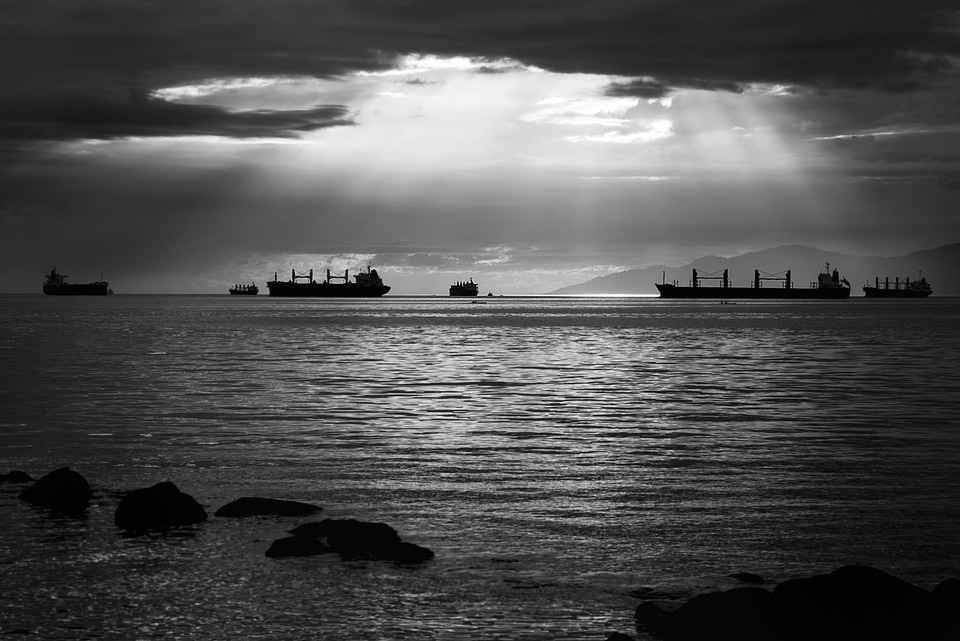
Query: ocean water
x=561 y=456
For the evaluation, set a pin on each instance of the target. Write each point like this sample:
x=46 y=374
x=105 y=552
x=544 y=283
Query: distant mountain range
x=940 y=266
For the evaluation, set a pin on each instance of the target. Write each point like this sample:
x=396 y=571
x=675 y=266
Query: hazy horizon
x=531 y=146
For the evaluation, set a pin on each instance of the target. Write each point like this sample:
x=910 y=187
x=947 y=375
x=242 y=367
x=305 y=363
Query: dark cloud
x=66 y=117
x=94 y=51
x=647 y=88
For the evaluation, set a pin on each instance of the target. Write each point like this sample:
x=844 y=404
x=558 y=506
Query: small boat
x=898 y=288
x=829 y=285
x=245 y=290
x=463 y=288
x=56 y=284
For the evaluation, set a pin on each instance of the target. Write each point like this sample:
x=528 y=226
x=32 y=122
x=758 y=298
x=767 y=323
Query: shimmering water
x=556 y=454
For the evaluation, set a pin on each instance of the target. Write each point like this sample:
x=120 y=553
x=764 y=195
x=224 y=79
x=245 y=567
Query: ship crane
x=724 y=278
x=295 y=276
x=758 y=279
x=345 y=278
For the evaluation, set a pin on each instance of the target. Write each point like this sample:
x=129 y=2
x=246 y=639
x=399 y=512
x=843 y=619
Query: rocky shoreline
x=851 y=603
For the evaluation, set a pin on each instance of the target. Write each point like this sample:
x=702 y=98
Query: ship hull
x=246 y=292
x=874 y=292
x=755 y=293
x=458 y=291
x=77 y=289
x=325 y=290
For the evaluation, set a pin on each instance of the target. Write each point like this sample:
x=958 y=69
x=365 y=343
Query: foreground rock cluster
x=164 y=506
x=852 y=603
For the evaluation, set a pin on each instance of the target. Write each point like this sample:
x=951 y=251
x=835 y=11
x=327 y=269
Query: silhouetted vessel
x=827 y=286
x=366 y=285
x=898 y=289
x=56 y=285
x=461 y=288
x=245 y=290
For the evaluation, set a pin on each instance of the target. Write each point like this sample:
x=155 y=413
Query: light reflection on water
x=555 y=453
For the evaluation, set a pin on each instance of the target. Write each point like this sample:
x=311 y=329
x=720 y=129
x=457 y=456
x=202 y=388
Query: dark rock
x=942 y=620
x=349 y=532
x=297 y=546
x=16 y=476
x=853 y=602
x=254 y=506
x=748 y=577
x=746 y=614
x=62 y=490
x=403 y=552
x=353 y=539
x=157 y=507
x=650 y=616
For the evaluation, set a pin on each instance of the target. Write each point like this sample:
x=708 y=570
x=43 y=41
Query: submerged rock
x=158 y=507
x=16 y=476
x=62 y=490
x=748 y=577
x=255 y=506
x=297 y=546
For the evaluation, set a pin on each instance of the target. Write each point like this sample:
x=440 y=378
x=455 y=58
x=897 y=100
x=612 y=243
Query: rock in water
x=353 y=539
x=62 y=490
x=16 y=476
x=157 y=507
x=255 y=506
x=297 y=546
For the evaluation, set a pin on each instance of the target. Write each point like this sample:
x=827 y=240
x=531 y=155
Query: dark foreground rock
x=158 y=507
x=16 y=476
x=852 y=603
x=351 y=539
x=741 y=613
x=255 y=506
x=62 y=490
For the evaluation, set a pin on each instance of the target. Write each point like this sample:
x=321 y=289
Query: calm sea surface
x=556 y=453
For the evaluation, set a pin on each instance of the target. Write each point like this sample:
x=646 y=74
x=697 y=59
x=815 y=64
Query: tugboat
x=245 y=290
x=827 y=286
x=900 y=289
x=367 y=284
x=55 y=284
x=462 y=288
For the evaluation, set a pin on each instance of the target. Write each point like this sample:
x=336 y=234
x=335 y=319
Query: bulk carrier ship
x=366 y=284
x=463 y=288
x=827 y=286
x=898 y=288
x=55 y=284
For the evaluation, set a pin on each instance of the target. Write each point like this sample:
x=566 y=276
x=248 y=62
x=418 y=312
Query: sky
x=182 y=147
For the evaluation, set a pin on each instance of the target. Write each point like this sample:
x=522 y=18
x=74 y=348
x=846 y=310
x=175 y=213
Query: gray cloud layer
x=69 y=68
